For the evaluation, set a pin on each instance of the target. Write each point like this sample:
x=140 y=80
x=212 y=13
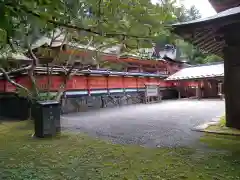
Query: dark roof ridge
x=228 y=12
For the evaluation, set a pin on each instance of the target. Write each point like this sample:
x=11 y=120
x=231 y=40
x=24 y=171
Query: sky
x=203 y=6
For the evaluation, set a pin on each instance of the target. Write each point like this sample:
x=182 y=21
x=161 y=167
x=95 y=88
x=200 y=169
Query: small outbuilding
x=200 y=81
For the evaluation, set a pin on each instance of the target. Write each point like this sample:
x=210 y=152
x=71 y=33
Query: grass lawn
x=222 y=129
x=80 y=157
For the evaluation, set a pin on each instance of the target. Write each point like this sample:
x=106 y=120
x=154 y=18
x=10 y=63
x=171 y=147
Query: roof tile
x=196 y=72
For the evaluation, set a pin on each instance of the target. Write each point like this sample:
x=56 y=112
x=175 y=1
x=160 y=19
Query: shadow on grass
x=223 y=142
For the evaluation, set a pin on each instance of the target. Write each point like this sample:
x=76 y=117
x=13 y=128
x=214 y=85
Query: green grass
x=222 y=129
x=222 y=122
x=223 y=142
x=72 y=157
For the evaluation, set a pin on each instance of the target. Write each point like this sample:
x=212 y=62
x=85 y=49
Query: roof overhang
x=224 y=4
x=205 y=33
x=16 y=57
x=206 y=71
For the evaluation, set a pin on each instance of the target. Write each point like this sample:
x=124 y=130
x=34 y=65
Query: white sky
x=203 y=6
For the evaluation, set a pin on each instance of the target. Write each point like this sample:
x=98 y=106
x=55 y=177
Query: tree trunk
x=62 y=87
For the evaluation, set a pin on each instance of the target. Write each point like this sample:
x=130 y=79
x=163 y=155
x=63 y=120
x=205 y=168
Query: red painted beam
x=86 y=82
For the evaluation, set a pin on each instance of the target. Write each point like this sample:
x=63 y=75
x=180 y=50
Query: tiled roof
x=57 y=38
x=199 y=72
x=15 y=56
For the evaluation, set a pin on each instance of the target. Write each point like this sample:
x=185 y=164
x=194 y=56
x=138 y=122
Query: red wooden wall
x=86 y=82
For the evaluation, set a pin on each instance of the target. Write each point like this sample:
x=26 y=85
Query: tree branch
x=6 y=75
x=63 y=85
x=58 y=23
x=53 y=37
x=10 y=43
x=31 y=71
x=18 y=70
x=34 y=58
x=68 y=73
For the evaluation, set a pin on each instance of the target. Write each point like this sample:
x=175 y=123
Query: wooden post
x=198 y=90
x=179 y=90
x=220 y=90
x=160 y=96
x=88 y=85
x=232 y=75
x=202 y=89
x=108 y=91
x=123 y=84
x=232 y=88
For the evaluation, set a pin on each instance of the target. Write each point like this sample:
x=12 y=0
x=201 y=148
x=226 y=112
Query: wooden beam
x=216 y=49
x=206 y=41
x=204 y=35
x=200 y=32
x=211 y=47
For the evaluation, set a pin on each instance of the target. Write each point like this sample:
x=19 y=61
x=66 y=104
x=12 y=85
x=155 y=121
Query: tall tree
x=193 y=13
x=103 y=23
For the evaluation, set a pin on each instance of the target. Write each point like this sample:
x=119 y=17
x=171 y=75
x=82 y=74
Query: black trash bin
x=46 y=115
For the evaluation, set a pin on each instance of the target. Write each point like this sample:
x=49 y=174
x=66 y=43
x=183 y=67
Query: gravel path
x=167 y=123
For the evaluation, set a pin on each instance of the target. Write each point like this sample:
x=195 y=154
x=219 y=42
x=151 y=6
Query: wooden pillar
x=107 y=83
x=88 y=85
x=198 y=90
x=202 y=89
x=179 y=93
x=232 y=75
x=220 y=91
x=159 y=95
x=232 y=86
x=179 y=89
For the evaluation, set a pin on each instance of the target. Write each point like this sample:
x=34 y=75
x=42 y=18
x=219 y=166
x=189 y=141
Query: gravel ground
x=168 y=123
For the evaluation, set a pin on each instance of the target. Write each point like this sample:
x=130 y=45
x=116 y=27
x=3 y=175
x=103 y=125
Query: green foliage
x=193 y=55
x=183 y=14
x=46 y=96
x=22 y=93
x=212 y=58
x=223 y=121
x=24 y=21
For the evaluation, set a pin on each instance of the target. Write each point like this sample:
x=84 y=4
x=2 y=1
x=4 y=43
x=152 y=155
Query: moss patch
x=77 y=156
x=221 y=128
x=222 y=121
